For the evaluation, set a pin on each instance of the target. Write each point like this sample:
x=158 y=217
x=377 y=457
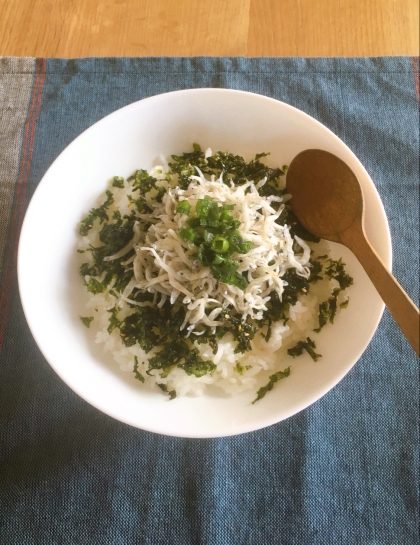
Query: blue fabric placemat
x=344 y=471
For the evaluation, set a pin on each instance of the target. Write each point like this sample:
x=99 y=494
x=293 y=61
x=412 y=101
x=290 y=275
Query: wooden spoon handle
x=402 y=308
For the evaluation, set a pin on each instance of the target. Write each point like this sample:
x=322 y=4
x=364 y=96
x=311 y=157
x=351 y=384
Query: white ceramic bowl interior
x=134 y=137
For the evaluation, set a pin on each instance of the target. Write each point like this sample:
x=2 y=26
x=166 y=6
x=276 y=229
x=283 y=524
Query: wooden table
x=79 y=28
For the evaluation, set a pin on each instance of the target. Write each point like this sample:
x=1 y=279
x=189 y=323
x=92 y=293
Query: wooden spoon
x=328 y=201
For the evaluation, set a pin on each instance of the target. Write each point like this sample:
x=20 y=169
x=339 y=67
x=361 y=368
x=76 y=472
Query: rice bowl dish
x=132 y=138
x=200 y=278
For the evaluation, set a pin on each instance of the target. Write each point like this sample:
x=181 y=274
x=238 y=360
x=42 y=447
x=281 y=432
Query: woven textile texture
x=344 y=471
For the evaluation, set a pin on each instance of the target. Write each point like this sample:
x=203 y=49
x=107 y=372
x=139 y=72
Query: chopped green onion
x=208 y=237
x=218 y=259
x=205 y=255
x=220 y=245
x=237 y=280
x=194 y=222
x=214 y=231
x=225 y=271
x=245 y=247
x=225 y=216
x=183 y=207
x=202 y=206
x=213 y=215
x=187 y=234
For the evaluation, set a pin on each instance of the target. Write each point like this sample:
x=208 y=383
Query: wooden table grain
x=80 y=28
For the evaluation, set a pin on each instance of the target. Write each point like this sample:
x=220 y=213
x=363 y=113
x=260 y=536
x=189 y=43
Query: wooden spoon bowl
x=328 y=201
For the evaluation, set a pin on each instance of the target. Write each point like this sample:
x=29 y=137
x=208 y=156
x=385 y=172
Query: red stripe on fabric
x=11 y=259
x=30 y=146
x=416 y=75
x=20 y=196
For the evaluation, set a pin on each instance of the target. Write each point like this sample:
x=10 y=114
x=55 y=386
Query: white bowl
x=133 y=137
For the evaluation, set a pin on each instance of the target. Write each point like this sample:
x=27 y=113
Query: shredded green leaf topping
x=99 y=213
x=137 y=375
x=308 y=345
x=86 y=320
x=269 y=386
x=212 y=231
x=328 y=309
x=118 y=182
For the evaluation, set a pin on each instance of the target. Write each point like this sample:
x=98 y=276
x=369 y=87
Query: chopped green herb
x=316 y=270
x=183 y=207
x=238 y=171
x=144 y=183
x=220 y=245
x=140 y=204
x=138 y=328
x=94 y=286
x=113 y=321
x=328 y=309
x=188 y=234
x=307 y=345
x=118 y=182
x=336 y=270
x=242 y=332
x=116 y=235
x=214 y=231
x=240 y=368
x=273 y=379
x=195 y=365
x=137 y=374
x=295 y=285
x=86 y=320
x=178 y=354
x=324 y=315
x=99 y=213
x=164 y=388
x=208 y=338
